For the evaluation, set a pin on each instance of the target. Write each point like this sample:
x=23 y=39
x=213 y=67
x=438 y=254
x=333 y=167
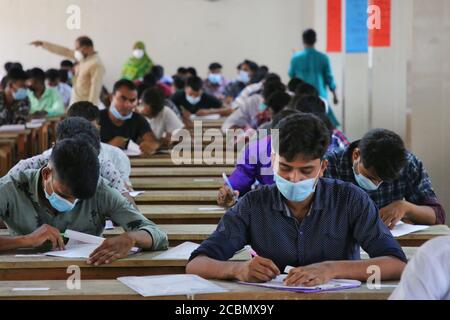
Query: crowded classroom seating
x=234 y=181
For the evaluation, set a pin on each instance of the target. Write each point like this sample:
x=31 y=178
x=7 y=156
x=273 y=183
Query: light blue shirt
x=314 y=68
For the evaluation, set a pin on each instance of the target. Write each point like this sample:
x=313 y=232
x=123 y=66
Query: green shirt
x=50 y=102
x=23 y=211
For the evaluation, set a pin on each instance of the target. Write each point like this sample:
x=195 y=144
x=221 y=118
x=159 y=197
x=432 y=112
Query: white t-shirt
x=165 y=121
x=427 y=275
x=118 y=158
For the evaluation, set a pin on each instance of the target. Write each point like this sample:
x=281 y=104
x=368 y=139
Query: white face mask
x=79 y=55
x=138 y=53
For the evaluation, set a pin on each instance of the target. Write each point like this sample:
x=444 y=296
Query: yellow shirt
x=88 y=78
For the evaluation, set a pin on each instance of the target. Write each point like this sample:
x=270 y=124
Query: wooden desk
x=177 y=197
x=168 y=162
x=180 y=172
x=55 y=268
x=179 y=183
x=22 y=140
x=115 y=290
x=182 y=214
x=418 y=238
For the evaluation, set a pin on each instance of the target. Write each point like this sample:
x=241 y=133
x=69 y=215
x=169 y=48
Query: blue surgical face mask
x=363 y=181
x=262 y=107
x=193 y=100
x=243 y=76
x=298 y=191
x=117 y=114
x=215 y=78
x=20 y=94
x=59 y=203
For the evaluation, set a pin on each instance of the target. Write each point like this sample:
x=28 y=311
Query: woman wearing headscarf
x=138 y=65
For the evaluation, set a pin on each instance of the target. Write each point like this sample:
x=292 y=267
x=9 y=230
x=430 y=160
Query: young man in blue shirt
x=311 y=223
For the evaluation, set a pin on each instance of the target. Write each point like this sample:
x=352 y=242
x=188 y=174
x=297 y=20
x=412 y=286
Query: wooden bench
x=182 y=214
x=180 y=172
x=191 y=183
x=177 y=197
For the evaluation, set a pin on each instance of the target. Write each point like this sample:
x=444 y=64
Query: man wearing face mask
x=119 y=124
x=194 y=101
x=311 y=223
x=393 y=177
x=14 y=103
x=88 y=80
x=37 y=205
x=245 y=70
x=216 y=82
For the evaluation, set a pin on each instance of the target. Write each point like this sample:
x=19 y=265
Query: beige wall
x=177 y=32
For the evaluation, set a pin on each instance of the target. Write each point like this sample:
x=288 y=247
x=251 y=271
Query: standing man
x=314 y=68
x=88 y=78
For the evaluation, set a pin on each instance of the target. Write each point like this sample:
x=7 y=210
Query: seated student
x=216 y=82
x=158 y=72
x=182 y=73
x=275 y=103
x=254 y=88
x=245 y=115
x=393 y=177
x=426 y=277
x=245 y=70
x=194 y=101
x=161 y=118
x=14 y=104
x=116 y=156
x=191 y=72
x=119 y=124
x=71 y=128
x=54 y=81
x=311 y=223
x=293 y=84
x=315 y=105
x=178 y=84
x=69 y=67
x=37 y=205
x=43 y=101
x=253 y=166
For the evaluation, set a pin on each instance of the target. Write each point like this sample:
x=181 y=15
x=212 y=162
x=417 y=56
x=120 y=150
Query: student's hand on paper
x=312 y=275
x=39 y=114
x=46 y=233
x=203 y=112
x=37 y=43
x=226 y=198
x=112 y=249
x=119 y=142
x=258 y=270
x=149 y=148
x=393 y=213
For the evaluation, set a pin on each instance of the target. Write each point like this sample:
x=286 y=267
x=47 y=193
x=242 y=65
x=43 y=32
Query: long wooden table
x=115 y=290
x=182 y=214
x=180 y=172
x=168 y=162
x=177 y=197
x=191 y=183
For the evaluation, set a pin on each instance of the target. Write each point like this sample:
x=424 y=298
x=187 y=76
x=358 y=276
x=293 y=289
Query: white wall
x=177 y=32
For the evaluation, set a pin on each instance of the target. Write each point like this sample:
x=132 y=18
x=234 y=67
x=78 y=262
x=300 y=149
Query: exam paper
x=109 y=225
x=133 y=149
x=171 y=285
x=402 y=228
x=334 y=284
x=180 y=252
x=12 y=127
x=211 y=209
x=207 y=117
x=134 y=194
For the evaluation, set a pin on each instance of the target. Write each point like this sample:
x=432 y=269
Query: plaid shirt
x=15 y=114
x=413 y=185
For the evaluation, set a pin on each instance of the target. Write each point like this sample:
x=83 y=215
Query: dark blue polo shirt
x=342 y=218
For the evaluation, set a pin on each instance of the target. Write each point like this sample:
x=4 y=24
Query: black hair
x=77 y=166
x=16 y=74
x=84 y=109
x=383 y=151
x=66 y=63
x=181 y=70
x=270 y=87
x=154 y=98
x=150 y=79
x=179 y=82
x=264 y=68
x=73 y=127
x=124 y=83
x=278 y=100
x=258 y=76
x=281 y=115
x=302 y=134
x=37 y=74
x=272 y=77
x=309 y=37
x=195 y=83
x=253 y=66
x=304 y=89
x=85 y=41
x=294 y=83
x=310 y=104
x=8 y=66
x=63 y=75
x=192 y=71
x=214 y=66
x=158 y=72
x=53 y=75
